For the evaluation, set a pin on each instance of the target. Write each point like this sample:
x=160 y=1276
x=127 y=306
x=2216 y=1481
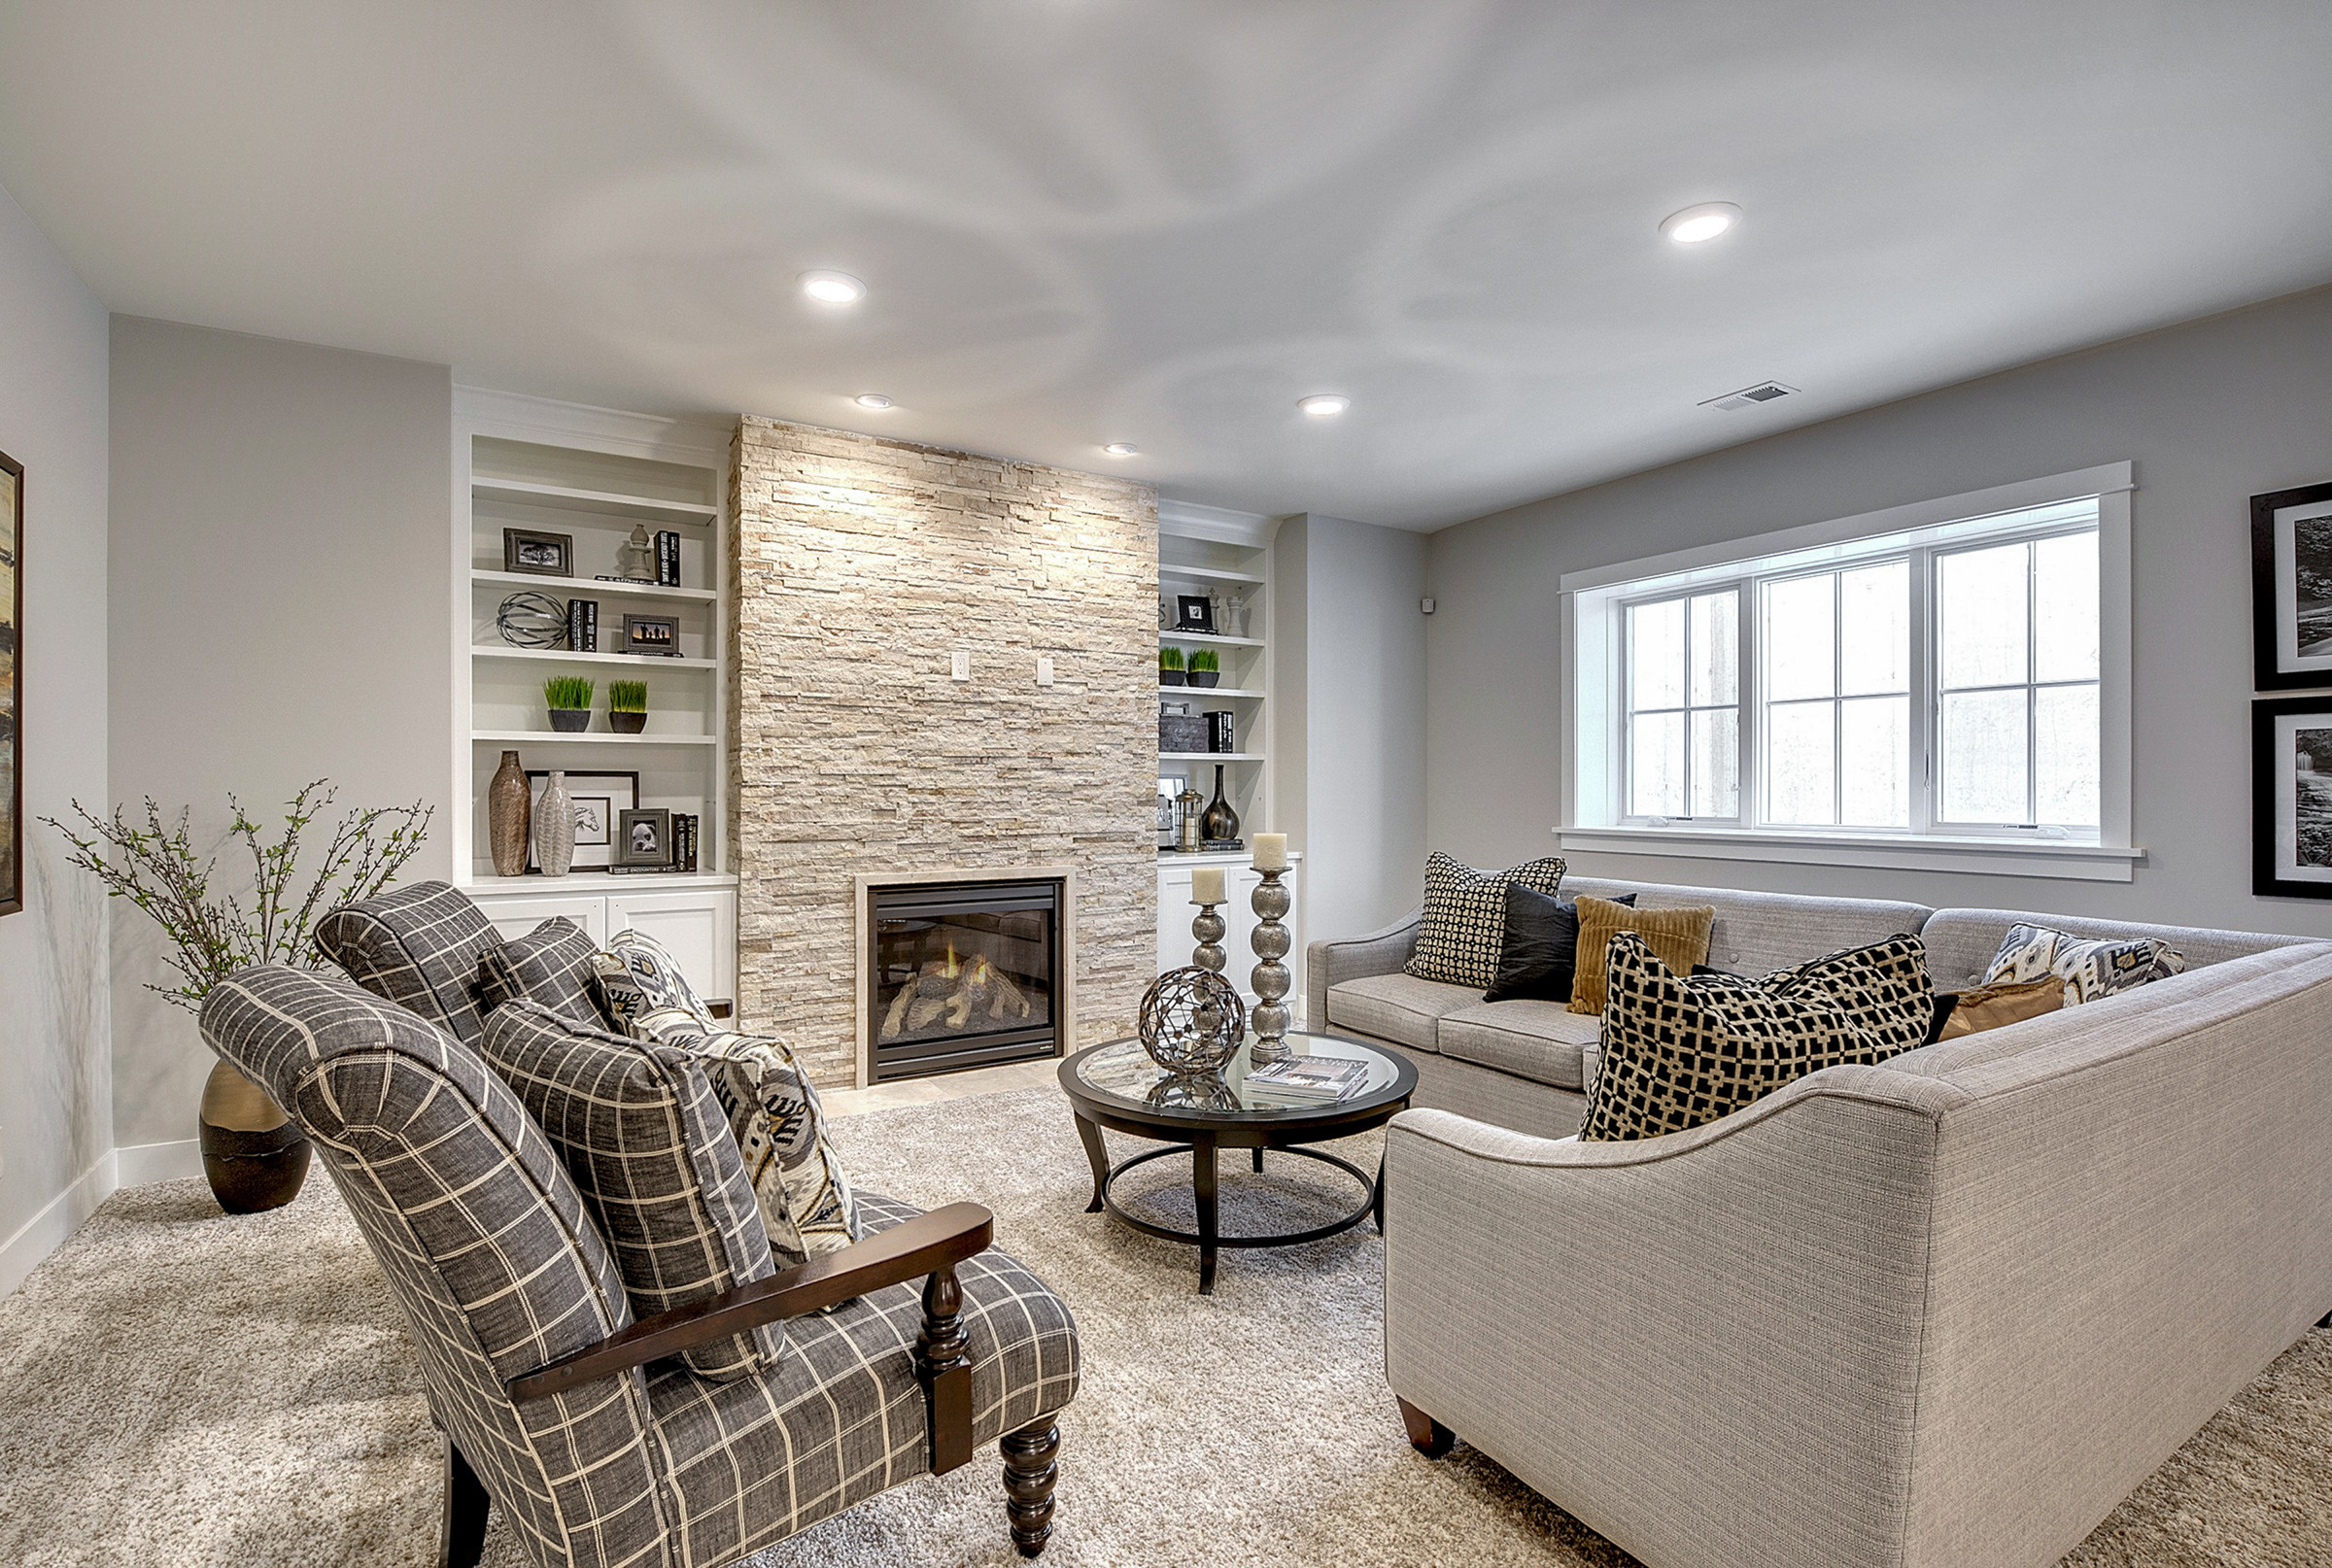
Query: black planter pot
x=1203 y=678
x=627 y=724
x=1171 y=677
x=570 y=721
x=254 y=1154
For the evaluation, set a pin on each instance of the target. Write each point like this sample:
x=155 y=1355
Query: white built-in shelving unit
x=1226 y=556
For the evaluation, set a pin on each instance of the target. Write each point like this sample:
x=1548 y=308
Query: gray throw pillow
x=552 y=965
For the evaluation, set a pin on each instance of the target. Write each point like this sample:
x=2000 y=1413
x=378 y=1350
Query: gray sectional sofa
x=1941 y=1312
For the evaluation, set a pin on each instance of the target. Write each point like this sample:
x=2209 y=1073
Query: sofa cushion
x=1465 y=920
x=1539 y=958
x=1994 y=1006
x=1680 y=936
x=418 y=947
x=1398 y=1008
x=1678 y=1051
x=2088 y=969
x=550 y=965
x=1531 y=1038
x=637 y=1127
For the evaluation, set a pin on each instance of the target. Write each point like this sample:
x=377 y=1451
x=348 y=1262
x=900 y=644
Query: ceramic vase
x=508 y=809
x=555 y=827
x=254 y=1154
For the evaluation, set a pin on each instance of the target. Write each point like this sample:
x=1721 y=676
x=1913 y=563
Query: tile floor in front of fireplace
x=942 y=1086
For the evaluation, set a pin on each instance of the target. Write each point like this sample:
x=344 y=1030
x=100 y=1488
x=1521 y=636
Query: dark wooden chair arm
x=929 y=1244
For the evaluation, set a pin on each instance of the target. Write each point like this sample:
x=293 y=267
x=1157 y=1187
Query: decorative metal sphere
x=531 y=620
x=1192 y=1021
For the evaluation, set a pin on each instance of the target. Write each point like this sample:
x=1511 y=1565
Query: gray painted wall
x=1351 y=672
x=54 y=1115
x=279 y=559
x=2211 y=412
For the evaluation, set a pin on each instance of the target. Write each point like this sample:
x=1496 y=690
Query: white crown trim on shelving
x=703 y=438
x=1188 y=519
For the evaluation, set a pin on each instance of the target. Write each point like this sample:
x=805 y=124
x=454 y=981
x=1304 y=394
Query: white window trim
x=1591 y=601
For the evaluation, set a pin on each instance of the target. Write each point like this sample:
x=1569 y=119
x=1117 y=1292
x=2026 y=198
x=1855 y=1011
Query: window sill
x=2064 y=859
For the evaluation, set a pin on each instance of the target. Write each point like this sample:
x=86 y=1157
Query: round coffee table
x=1117 y=1087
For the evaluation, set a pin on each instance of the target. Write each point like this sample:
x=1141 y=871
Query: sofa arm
x=1349 y=958
x=1704 y=1345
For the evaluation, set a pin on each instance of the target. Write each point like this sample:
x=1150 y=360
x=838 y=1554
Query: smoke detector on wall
x=1765 y=392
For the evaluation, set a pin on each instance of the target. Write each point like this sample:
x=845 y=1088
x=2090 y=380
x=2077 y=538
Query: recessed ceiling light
x=872 y=400
x=1324 y=405
x=833 y=288
x=1698 y=225
x=1121 y=449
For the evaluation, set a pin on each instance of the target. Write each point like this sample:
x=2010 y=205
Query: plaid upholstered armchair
x=591 y=1430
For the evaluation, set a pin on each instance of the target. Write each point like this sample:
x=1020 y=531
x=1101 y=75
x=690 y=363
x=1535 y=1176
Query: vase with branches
x=253 y=1152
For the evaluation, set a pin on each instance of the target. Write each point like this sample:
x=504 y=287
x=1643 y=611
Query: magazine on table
x=1307 y=1080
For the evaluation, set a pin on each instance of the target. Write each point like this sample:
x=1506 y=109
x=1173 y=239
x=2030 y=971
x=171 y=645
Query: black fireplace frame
x=944 y=896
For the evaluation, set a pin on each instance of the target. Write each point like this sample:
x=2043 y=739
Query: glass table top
x=1124 y=1071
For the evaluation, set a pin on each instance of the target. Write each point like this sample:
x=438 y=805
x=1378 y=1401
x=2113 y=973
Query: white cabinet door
x=697 y=928
x=515 y=917
x=1175 y=914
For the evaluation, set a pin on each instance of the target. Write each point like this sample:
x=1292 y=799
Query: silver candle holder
x=1209 y=927
x=1270 y=1017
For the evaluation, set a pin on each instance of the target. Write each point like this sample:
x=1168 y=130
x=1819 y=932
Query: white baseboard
x=141 y=1163
x=46 y=1231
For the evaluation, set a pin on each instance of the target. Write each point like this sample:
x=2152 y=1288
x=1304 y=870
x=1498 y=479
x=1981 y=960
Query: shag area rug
x=181 y=1390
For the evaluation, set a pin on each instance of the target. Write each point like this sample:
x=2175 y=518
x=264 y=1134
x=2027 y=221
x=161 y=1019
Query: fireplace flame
x=952 y=965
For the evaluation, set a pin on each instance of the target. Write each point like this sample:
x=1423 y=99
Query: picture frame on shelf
x=657 y=635
x=643 y=839
x=2291 y=796
x=545 y=554
x=12 y=685
x=1194 y=612
x=601 y=801
x=2291 y=589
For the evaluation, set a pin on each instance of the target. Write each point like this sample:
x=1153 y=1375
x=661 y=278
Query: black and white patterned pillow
x=638 y=1128
x=1465 y=925
x=1678 y=1051
x=552 y=965
x=2089 y=970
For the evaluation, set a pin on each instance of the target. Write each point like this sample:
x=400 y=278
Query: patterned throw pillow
x=643 y=991
x=1679 y=935
x=2089 y=970
x=807 y=1202
x=418 y=947
x=1464 y=923
x=1679 y=1051
x=552 y=965
x=639 y=1129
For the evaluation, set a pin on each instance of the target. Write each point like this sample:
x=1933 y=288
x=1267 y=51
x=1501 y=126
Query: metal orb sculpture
x=531 y=620
x=1192 y=1021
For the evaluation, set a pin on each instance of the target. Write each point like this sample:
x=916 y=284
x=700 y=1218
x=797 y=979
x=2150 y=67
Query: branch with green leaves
x=154 y=864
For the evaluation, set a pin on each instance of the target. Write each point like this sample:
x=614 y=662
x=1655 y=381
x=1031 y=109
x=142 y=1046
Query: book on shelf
x=583 y=625
x=1306 y=1080
x=668 y=558
x=1222 y=733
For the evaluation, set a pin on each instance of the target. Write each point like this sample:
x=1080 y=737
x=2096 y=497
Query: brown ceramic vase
x=255 y=1154
x=509 y=808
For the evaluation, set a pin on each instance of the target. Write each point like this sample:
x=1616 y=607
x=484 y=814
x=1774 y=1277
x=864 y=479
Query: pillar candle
x=1206 y=884
x=1271 y=852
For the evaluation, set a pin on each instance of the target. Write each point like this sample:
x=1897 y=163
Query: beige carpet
x=179 y=1389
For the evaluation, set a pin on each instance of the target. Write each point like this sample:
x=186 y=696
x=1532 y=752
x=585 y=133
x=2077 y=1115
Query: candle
x=1271 y=852
x=1206 y=884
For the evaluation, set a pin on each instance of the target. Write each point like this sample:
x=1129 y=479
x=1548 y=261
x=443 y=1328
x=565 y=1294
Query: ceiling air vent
x=1765 y=392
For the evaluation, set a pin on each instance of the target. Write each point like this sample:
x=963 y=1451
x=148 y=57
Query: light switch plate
x=1043 y=670
x=959 y=664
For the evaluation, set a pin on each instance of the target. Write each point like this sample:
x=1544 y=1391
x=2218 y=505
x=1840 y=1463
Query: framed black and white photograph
x=601 y=798
x=12 y=685
x=1194 y=612
x=547 y=555
x=2291 y=798
x=656 y=634
x=2291 y=589
x=643 y=839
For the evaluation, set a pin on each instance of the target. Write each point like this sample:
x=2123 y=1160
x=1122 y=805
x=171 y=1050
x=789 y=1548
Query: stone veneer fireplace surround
x=861 y=565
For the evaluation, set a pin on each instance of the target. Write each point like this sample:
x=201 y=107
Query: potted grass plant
x=628 y=707
x=570 y=700
x=1206 y=666
x=1170 y=666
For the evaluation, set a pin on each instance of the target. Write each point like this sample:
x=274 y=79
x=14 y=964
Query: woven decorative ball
x=531 y=620
x=1192 y=1020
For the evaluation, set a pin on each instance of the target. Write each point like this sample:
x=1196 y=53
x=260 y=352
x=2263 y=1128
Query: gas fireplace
x=962 y=975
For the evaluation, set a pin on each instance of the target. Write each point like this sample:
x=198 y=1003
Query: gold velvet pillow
x=1678 y=937
x=2004 y=1002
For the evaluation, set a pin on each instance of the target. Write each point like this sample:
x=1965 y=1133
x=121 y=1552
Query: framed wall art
x=601 y=800
x=547 y=555
x=643 y=839
x=656 y=634
x=2291 y=589
x=12 y=685
x=2291 y=796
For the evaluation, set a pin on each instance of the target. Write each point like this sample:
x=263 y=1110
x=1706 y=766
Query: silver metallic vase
x=1270 y=1017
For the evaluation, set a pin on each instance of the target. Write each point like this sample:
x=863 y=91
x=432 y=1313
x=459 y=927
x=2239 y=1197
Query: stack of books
x=1307 y=1080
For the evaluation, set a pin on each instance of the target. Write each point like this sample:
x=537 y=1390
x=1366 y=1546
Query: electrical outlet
x=959 y=664
x=1043 y=670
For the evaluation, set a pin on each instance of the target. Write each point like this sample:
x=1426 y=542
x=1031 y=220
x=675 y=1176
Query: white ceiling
x=1087 y=221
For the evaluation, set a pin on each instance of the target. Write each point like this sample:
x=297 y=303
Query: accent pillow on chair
x=552 y=965
x=1679 y=935
x=639 y=1129
x=1539 y=958
x=641 y=989
x=2089 y=970
x=1464 y=924
x=1679 y=1051
x=418 y=947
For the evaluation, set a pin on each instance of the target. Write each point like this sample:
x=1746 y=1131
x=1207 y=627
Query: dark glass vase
x=1221 y=823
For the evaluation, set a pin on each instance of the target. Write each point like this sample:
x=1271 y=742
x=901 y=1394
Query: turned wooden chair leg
x=1426 y=1435
x=1029 y=1472
x=463 y=1540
